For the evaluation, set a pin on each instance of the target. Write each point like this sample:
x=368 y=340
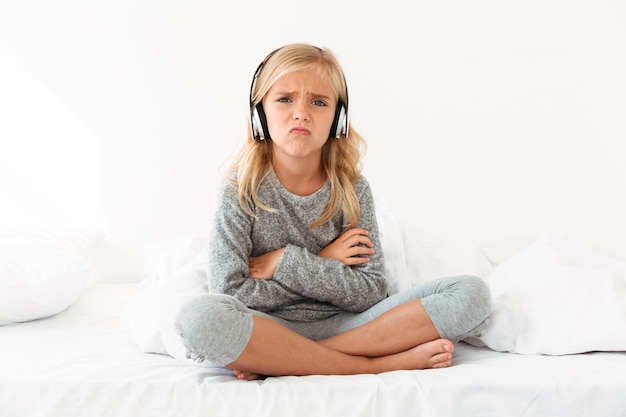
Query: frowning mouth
x=300 y=131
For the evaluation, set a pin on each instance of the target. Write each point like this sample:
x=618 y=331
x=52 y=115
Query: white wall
x=484 y=119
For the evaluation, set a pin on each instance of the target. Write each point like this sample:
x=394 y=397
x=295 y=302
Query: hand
x=264 y=266
x=348 y=246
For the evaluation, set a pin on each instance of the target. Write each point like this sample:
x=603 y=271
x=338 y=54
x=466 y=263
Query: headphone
x=258 y=120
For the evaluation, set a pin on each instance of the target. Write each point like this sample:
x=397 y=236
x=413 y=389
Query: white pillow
x=175 y=271
x=499 y=250
x=414 y=256
x=42 y=272
x=390 y=234
x=557 y=297
x=431 y=255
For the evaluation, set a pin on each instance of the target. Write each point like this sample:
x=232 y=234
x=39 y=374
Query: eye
x=319 y=103
x=284 y=100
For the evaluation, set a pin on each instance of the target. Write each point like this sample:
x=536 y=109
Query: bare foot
x=429 y=355
x=246 y=376
x=435 y=354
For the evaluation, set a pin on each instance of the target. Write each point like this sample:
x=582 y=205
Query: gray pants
x=217 y=327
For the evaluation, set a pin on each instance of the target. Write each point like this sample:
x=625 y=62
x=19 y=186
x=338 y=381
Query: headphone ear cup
x=258 y=122
x=340 y=122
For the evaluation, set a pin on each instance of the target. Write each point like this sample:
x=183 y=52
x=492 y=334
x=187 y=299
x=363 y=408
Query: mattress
x=80 y=363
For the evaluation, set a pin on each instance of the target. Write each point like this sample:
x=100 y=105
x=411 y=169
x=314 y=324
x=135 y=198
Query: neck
x=302 y=179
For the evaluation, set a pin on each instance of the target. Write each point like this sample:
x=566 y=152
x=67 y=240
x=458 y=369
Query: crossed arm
x=352 y=247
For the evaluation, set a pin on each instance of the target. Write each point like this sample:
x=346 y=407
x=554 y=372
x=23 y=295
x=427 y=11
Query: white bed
x=80 y=363
x=90 y=358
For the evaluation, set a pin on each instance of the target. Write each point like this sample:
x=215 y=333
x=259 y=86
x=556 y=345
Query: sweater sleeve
x=231 y=245
x=351 y=288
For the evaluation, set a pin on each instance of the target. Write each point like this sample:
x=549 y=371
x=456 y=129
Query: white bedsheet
x=79 y=363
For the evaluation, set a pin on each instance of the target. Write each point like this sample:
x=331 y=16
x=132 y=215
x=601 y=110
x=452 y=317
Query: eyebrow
x=289 y=93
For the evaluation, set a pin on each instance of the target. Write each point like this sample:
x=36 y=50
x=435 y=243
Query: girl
x=297 y=276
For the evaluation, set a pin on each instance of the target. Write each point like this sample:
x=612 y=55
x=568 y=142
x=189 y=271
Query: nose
x=300 y=111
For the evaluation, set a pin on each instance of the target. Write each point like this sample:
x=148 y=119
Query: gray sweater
x=305 y=286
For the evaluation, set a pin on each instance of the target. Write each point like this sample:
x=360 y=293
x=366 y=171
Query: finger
x=364 y=240
x=359 y=240
x=360 y=251
x=355 y=261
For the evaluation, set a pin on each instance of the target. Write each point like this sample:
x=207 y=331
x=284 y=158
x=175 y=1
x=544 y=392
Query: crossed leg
x=397 y=333
x=401 y=328
x=401 y=338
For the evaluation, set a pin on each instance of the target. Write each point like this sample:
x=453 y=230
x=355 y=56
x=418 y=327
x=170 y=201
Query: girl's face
x=300 y=108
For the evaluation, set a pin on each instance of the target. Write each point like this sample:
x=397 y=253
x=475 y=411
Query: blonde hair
x=341 y=157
